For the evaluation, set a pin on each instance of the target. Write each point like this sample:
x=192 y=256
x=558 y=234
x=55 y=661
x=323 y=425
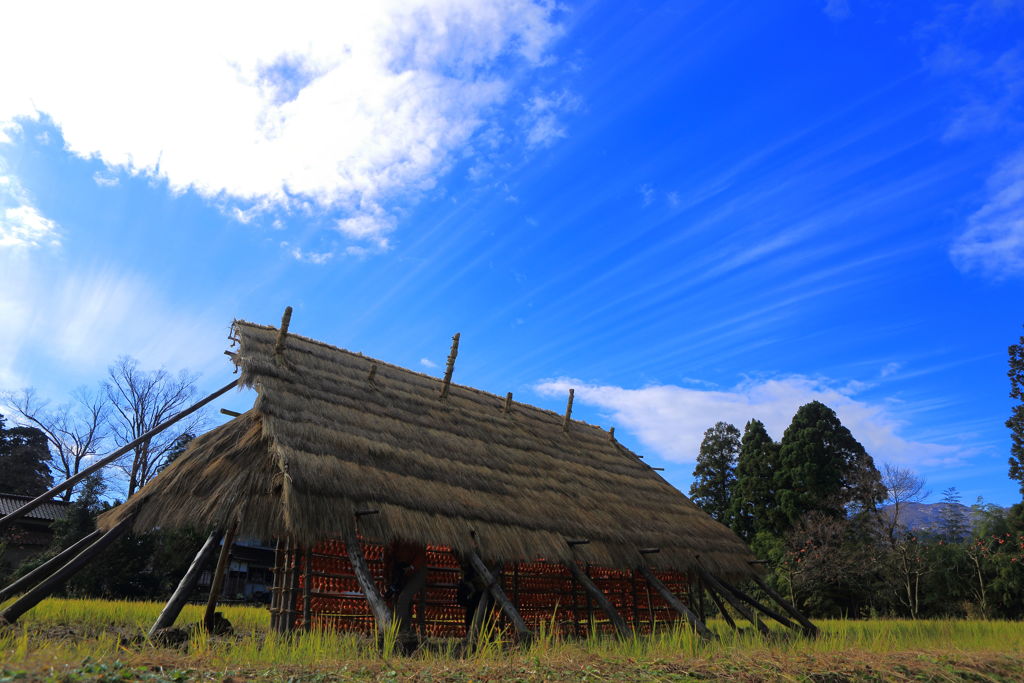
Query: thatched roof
x=323 y=441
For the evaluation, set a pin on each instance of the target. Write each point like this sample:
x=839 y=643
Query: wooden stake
x=716 y=585
x=218 y=578
x=381 y=613
x=187 y=584
x=43 y=569
x=373 y=374
x=293 y=585
x=499 y=596
x=809 y=628
x=307 y=560
x=100 y=464
x=282 y=334
x=721 y=609
x=229 y=413
x=611 y=434
x=57 y=579
x=568 y=411
x=507 y=408
x=759 y=606
x=601 y=599
x=275 y=590
x=677 y=604
x=450 y=367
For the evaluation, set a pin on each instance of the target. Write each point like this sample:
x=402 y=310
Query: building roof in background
x=48 y=511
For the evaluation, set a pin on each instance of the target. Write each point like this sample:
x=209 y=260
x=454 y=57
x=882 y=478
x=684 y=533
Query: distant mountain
x=927 y=516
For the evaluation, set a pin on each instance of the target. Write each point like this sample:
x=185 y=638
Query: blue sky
x=687 y=211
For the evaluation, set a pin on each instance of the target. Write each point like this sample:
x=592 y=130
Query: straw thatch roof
x=323 y=441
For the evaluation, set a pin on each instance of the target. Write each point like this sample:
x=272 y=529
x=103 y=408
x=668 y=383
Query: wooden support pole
x=229 y=413
x=721 y=608
x=275 y=590
x=507 y=408
x=677 y=604
x=636 y=606
x=45 y=568
x=601 y=599
x=381 y=613
x=293 y=585
x=218 y=578
x=568 y=411
x=282 y=334
x=477 y=624
x=809 y=628
x=187 y=584
x=450 y=367
x=371 y=378
x=507 y=607
x=611 y=433
x=103 y=462
x=57 y=579
x=734 y=601
x=307 y=575
x=759 y=606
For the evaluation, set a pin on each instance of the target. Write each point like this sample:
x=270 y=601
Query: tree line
x=49 y=443
x=833 y=531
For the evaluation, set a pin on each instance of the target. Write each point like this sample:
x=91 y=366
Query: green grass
x=101 y=640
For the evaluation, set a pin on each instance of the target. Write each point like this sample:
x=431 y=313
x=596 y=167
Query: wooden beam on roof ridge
x=282 y=334
x=450 y=365
x=568 y=411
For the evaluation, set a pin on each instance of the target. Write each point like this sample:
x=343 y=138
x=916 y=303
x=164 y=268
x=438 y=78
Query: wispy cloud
x=347 y=106
x=993 y=243
x=105 y=180
x=670 y=419
x=427 y=363
x=21 y=224
x=837 y=10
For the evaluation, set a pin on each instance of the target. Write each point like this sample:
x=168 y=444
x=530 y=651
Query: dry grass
x=100 y=640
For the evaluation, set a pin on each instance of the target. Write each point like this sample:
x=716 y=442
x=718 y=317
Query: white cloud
x=104 y=180
x=21 y=223
x=646 y=195
x=81 y=320
x=344 y=105
x=427 y=363
x=542 y=117
x=993 y=243
x=837 y=10
x=890 y=369
x=671 y=420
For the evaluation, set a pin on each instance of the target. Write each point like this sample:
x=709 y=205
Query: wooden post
x=809 y=628
x=577 y=626
x=650 y=606
x=187 y=584
x=381 y=613
x=601 y=599
x=101 y=463
x=450 y=367
x=508 y=403
x=55 y=580
x=43 y=569
x=282 y=334
x=636 y=599
x=716 y=585
x=499 y=596
x=568 y=411
x=759 y=606
x=677 y=604
x=218 y=578
x=477 y=624
x=293 y=585
x=275 y=590
x=721 y=609
x=307 y=575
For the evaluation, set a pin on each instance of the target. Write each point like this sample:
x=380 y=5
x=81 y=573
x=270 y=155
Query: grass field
x=79 y=640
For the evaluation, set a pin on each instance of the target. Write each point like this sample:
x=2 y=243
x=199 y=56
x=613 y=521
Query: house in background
x=31 y=534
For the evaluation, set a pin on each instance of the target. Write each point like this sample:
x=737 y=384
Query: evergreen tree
x=753 y=495
x=714 y=475
x=953 y=515
x=1016 y=421
x=822 y=468
x=24 y=455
